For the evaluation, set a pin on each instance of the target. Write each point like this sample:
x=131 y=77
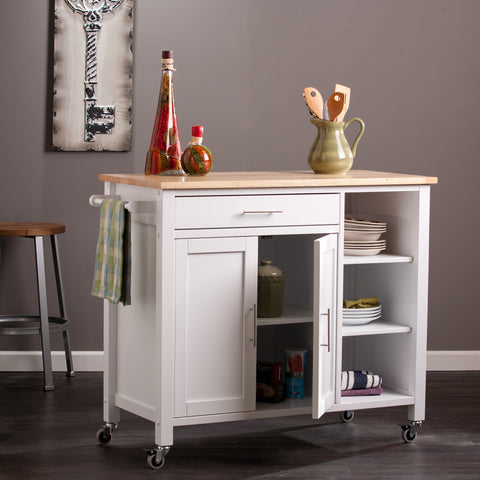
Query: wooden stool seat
x=43 y=323
x=30 y=229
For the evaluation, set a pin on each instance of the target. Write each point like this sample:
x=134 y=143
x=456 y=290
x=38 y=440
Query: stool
x=41 y=324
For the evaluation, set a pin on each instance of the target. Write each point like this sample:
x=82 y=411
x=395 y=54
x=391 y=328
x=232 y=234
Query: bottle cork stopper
x=167 y=54
x=197 y=131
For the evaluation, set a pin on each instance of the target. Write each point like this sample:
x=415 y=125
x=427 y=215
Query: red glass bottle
x=164 y=155
x=197 y=159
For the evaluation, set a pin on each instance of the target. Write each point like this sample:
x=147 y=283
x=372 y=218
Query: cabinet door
x=324 y=324
x=215 y=331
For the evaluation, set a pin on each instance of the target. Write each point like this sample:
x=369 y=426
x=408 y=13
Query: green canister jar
x=271 y=287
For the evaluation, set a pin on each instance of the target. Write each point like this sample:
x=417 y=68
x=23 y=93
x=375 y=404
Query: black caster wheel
x=154 y=463
x=103 y=436
x=409 y=435
x=156 y=457
x=347 y=416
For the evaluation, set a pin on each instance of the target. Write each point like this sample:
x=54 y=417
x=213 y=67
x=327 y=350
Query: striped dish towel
x=113 y=262
x=358 y=379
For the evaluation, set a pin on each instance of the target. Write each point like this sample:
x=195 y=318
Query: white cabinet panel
x=324 y=324
x=215 y=298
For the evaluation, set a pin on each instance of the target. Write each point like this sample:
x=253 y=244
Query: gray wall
x=241 y=67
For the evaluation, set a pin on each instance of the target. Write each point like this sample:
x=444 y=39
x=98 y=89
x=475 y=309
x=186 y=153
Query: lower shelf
x=388 y=398
x=290 y=407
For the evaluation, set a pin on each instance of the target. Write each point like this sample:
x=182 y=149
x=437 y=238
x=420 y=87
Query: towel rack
x=139 y=206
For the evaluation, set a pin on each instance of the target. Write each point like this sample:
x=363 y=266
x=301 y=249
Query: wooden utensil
x=335 y=105
x=346 y=103
x=314 y=101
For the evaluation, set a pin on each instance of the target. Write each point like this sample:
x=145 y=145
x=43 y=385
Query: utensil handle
x=360 y=133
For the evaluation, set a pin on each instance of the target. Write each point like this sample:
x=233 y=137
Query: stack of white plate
x=362 y=237
x=361 y=316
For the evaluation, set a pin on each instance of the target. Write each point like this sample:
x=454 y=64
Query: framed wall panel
x=93 y=60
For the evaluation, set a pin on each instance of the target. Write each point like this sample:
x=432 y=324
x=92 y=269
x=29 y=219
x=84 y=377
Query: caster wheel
x=103 y=436
x=408 y=435
x=347 y=416
x=152 y=462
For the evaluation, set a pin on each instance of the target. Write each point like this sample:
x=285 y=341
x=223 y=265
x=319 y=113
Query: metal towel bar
x=140 y=206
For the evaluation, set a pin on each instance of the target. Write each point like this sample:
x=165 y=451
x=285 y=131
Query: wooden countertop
x=267 y=180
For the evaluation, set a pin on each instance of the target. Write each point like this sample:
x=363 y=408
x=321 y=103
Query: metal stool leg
x=43 y=308
x=61 y=303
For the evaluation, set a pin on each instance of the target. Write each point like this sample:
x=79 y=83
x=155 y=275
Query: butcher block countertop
x=267 y=180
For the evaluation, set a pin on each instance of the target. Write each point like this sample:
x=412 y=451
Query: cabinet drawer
x=257 y=210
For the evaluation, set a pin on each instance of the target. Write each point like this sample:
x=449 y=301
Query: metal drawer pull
x=262 y=211
x=328 y=331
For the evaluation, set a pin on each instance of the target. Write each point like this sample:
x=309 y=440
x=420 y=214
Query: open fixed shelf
x=379 y=258
x=291 y=314
x=377 y=327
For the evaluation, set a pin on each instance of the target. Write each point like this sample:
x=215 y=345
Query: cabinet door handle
x=255 y=325
x=328 y=330
x=254 y=311
x=268 y=212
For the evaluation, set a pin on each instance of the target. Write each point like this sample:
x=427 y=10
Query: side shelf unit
x=393 y=347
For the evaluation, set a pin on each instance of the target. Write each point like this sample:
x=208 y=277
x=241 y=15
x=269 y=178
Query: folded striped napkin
x=113 y=262
x=360 y=379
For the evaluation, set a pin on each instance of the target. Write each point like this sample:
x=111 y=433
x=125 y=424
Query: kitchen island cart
x=185 y=351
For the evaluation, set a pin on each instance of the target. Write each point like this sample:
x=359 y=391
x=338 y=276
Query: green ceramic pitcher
x=330 y=152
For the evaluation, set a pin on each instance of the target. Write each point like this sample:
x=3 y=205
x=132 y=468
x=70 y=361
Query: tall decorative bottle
x=164 y=155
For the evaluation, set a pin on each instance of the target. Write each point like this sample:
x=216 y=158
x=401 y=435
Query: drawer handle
x=269 y=212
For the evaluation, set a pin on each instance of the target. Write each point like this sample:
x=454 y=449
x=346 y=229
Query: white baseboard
x=92 y=361
x=31 y=361
x=438 y=360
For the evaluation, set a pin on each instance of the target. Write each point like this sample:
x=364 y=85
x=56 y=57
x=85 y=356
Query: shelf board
x=388 y=398
x=377 y=327
x=289 y=406
x=291 y=314
x=380 y=258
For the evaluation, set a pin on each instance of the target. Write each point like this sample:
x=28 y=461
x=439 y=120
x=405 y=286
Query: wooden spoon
x=345 y=90
x=335 y=105
x=314 y=101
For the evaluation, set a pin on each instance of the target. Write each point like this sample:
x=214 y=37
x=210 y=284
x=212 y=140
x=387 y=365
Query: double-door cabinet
x=185 y=351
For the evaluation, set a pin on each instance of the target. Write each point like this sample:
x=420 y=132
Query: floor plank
x=51 y=435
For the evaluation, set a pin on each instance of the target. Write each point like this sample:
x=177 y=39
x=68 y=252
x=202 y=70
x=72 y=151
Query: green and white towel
x=113 y=262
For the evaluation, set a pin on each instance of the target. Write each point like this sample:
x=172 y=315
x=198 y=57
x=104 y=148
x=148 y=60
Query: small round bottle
x=197 y=159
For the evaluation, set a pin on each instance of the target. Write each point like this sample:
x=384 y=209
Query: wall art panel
x=93 y=62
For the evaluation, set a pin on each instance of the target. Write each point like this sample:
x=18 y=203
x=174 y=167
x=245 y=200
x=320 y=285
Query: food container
x=271 y=287
x=295 y=373
x=270 y=387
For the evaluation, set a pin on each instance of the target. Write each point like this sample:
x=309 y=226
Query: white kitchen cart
x=185 y=351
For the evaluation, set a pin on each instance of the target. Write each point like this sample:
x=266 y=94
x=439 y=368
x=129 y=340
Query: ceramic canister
x=271 y=287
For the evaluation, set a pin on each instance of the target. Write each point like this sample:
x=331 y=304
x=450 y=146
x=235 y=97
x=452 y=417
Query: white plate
x=361 y=221
x=371 y=314
x=365 y=243
x=368 y=310
x=356 y=226
x=362 y=252
x=366 y=317
x=358 y=321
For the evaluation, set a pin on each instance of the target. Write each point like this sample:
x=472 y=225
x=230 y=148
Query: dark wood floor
x=52 y=436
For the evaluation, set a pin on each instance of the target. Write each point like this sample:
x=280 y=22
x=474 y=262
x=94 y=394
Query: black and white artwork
x=93 y=61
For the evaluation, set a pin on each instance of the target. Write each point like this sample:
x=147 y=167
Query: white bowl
x=361 y=235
